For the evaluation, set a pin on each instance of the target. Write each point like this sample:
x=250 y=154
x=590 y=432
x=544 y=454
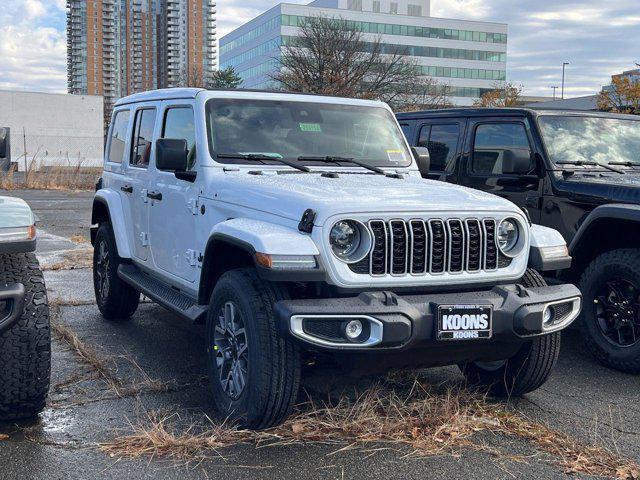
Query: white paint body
x=163 y=238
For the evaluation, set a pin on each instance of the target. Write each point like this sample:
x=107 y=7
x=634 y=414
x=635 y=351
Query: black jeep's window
x=143 y=137
x=292 y=129
x=406 y=129
x=179 y=124
x=442 y=142
x=118 y=136
x=491 y=140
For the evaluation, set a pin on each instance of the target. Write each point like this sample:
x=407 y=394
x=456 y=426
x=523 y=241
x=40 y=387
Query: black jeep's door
x=483 y=165
x=444 y=139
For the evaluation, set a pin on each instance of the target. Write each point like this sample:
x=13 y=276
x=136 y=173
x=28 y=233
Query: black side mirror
x=171 y=154
x=423 y=159
x=517 y=161
x=4 y=143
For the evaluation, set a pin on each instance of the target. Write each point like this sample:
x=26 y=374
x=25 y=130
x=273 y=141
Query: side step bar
x=171 y=299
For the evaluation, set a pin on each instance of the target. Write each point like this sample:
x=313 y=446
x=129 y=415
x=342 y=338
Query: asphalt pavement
x=583 y=399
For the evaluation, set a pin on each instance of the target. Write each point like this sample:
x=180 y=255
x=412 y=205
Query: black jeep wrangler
x=576 y=172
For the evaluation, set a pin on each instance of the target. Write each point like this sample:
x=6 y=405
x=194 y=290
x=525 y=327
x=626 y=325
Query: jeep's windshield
x=294 y=130
x=591 y=139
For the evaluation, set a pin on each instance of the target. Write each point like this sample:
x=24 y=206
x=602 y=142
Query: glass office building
x=468 y=56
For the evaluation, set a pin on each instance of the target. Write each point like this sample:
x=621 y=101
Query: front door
x=172 y=221
x=442 y=137
x=138 y=180
x=484 y=151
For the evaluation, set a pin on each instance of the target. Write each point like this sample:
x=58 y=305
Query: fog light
x=353 y=329
x=548 y=315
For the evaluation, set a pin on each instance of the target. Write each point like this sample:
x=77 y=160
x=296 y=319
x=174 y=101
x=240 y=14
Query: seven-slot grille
x=435 y=246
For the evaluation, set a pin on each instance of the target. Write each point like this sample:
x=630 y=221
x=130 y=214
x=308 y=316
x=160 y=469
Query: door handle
x=155 y=195
x=127 y=188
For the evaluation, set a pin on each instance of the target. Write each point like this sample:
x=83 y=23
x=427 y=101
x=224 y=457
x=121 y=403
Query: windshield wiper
x=590 y=164
x=334 y=159
x=260 y=157
x=626 y=163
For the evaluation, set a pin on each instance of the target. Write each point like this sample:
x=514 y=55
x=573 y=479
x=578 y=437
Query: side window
x=406 y=129
x=442 y=142
x=179 y=124
x=118 y=136
x=145 y=122
x=490 y=143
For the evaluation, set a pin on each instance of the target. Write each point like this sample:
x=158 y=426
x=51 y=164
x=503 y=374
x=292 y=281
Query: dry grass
x=79 y=239
x=416 y=418
x=62 y=177
x=72 y=259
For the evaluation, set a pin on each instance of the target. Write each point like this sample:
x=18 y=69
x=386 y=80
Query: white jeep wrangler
x=299 y=225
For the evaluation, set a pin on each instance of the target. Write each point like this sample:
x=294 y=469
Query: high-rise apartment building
x=467 y=56
x=119 y=47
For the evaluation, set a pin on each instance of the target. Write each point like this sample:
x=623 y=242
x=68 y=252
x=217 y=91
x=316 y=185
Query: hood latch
x=306 y=223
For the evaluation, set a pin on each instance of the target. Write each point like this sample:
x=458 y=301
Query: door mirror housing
x=422 y=158
x=172 y=154
x=517 y=161
x=4 y=143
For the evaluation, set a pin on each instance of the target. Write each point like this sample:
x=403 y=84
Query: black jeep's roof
x=505 y=112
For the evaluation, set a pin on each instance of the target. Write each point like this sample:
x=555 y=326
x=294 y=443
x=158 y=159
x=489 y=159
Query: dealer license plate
x=464 y=322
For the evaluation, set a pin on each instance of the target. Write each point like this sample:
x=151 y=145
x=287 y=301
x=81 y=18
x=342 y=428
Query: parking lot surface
x=582 y=399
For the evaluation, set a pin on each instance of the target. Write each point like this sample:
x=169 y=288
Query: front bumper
x=400 y=323
x=11 y=305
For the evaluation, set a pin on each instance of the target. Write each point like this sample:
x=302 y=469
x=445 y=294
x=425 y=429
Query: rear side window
x=142 y=137
x=406 y=129
x=491 y=140
x=118 y=136
x=179 y=124
x=442 y=142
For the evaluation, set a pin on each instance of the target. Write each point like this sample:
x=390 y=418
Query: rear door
x=482 y=166
x=444 y=139
x=137 y=187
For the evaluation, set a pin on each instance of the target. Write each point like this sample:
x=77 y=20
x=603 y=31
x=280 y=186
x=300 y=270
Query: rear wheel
x=611 y=314
x=527 y=370
x=254 y=371
x=25 y=348
x=116 y=299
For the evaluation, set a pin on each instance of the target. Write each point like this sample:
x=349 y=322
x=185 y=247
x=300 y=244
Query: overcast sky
x=598 y=37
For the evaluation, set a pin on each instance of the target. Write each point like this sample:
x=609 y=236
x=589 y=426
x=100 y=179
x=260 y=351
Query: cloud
x=34 y=9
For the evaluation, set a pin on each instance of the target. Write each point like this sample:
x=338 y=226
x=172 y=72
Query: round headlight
x=508 y=234
x=349 y=240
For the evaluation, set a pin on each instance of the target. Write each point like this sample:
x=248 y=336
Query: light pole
x=554 y=91
x=564 y=64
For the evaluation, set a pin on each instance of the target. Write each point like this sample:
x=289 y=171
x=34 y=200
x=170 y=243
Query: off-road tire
x=122 y=300
x=25 y=348
x=623 y=263
x=273 y=376
x=528 y=369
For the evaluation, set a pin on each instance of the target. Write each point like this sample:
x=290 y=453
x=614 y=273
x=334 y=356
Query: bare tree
x=622 y=97
x=424 y=94
x=331 y=57
x=503 y=94
x=192 y=76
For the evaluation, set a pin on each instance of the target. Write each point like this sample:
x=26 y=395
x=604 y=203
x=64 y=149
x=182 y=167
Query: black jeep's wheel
x=116 y=299
x=527 y=370
x=610 y=320
x=25 y=348
x=254 y=371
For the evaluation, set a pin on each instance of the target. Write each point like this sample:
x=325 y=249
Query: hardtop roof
x=506 y=112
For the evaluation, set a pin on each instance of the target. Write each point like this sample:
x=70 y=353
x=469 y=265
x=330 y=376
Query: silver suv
x=297 y=226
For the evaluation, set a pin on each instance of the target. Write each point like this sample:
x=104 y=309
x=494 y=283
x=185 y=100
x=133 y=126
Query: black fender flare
x=619 y=211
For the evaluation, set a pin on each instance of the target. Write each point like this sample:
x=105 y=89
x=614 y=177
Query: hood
x=289 y=195
x=14 y=212
x=614 y=187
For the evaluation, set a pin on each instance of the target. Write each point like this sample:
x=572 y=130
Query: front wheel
x=527 y=370
x=254 y=371
x=25 y=348
x=611 y=314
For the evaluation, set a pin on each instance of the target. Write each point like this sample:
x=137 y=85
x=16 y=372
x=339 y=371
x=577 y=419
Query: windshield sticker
x=310 y=127
x=396 y=156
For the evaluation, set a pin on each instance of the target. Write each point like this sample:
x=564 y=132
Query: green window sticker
x=310 y=127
